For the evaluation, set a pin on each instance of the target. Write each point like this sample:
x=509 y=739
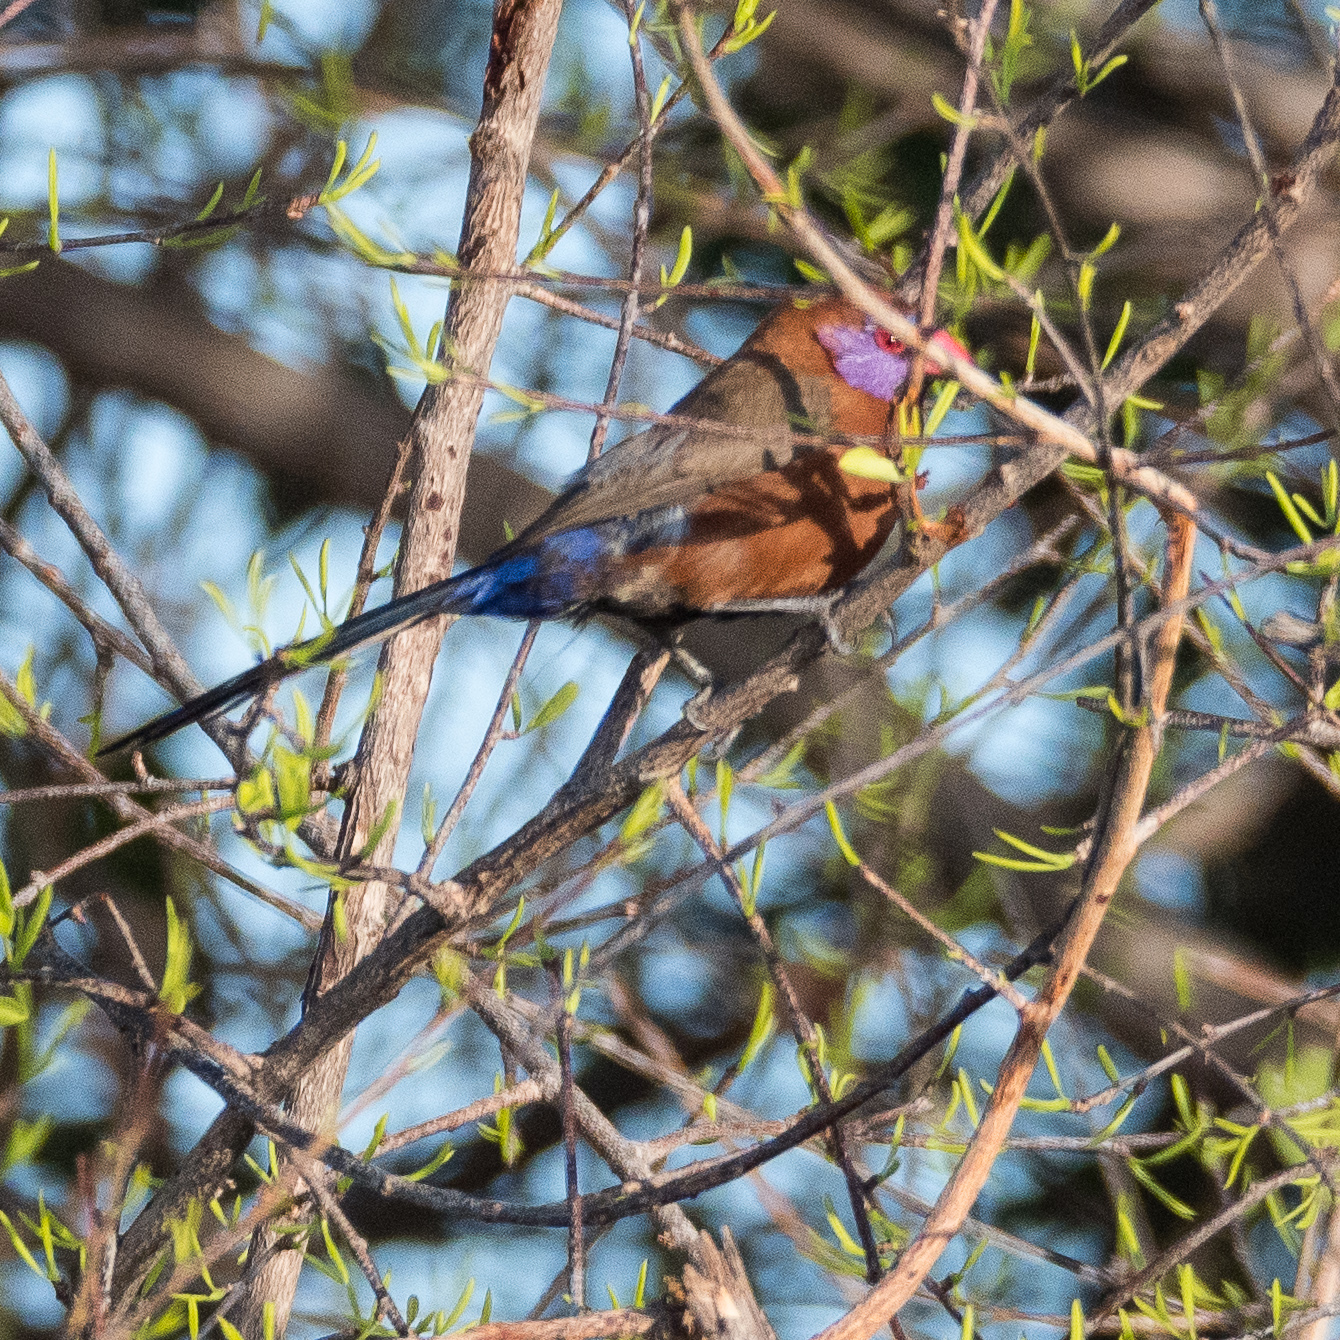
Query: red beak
x=944 y=340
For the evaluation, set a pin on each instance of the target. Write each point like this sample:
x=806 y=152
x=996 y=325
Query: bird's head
x=868 y=358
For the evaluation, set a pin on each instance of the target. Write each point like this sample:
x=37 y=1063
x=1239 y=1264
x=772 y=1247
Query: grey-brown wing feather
x=672 y=466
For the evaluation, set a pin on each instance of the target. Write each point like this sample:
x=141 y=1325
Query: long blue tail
x=505 y=587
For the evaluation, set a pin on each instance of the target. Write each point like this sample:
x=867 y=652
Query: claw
x=699 y=699
x=834 y=635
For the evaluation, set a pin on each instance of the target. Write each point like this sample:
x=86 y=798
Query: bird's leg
x=815 y=607
x=670 y=638
x=905 y=421
x=694 y=670
x=697 y=673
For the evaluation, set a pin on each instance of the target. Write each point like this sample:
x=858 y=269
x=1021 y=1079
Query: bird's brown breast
x=801 y=531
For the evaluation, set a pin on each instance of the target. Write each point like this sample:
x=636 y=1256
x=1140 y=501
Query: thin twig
x=944 y=211
x=641 y=225
x=802 y=1028
x=367 y=571
x=1321 y=357
x=518 y=1095
x=492 y=735
x=95 y=851
x=987 y=976
x=136 y=958
x=567 y=1111
x=150 y=786
x=319 y=1180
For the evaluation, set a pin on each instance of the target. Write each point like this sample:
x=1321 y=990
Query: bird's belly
x=801 y=531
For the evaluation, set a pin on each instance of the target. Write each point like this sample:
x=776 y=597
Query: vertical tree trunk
x=442 y=432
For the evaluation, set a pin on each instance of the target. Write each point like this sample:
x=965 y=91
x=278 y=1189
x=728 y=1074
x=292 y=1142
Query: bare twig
x=802 y=1027
x=944 y=211
x=492 y=735
x=641 y=224
x=1321 y=358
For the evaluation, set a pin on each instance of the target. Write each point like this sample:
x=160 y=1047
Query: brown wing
x=673 y=466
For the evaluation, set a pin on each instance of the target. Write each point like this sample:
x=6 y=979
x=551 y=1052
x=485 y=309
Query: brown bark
x=443 y=433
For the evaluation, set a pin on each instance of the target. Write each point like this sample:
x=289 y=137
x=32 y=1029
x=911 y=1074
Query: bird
x=748 y=511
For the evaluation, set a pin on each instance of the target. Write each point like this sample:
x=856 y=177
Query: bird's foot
x=699 y=700
x=719 y=746
x=953 y=530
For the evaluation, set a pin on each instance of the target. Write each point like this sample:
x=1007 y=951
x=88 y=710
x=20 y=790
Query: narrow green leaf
x=944 y=402
x=1115 y=342
x=554 y=708
x=840 y=837
x=53 y=204
x=1182 y=980
x=950 y=113
x=1286 y=505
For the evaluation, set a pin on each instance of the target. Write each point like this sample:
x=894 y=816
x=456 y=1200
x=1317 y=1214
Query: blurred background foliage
x=215 y=401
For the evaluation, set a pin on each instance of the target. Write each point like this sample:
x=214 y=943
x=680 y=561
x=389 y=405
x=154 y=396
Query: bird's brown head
x=833 y=338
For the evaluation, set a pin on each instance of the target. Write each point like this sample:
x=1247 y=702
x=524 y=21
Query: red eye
x=885 y=341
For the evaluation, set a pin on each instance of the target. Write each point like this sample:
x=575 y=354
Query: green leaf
x=212 y=205
x=950 y=113
x=781 y=775
x=1286 y=505
x=359 y=174
x=432 y=1165
x=1042 y=859
x=554 y=708
x=840 y=837
x=34 y=918
x=867 y=463
x=645 y=812
x=21 y=1249
x=970 y=246
x=53 y=204
x=256 y=794
x=725 y=790
x=6 y=900
x=682 y=257
x=1084 y=285
x=944 y=402
x=462 y=1303
x=1108 y=242
x=1182 y=980
x=293 y=779
x=1108 y=1064
x=361 y=245
x=764 y=1023
x=1114 y=64
x=1118 y=1121
x=750 y=32
x=659 y=101
x=379 y=831
x=177 y=990
x=1115 y=342
x=26 y=681
x=1160 y=1193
